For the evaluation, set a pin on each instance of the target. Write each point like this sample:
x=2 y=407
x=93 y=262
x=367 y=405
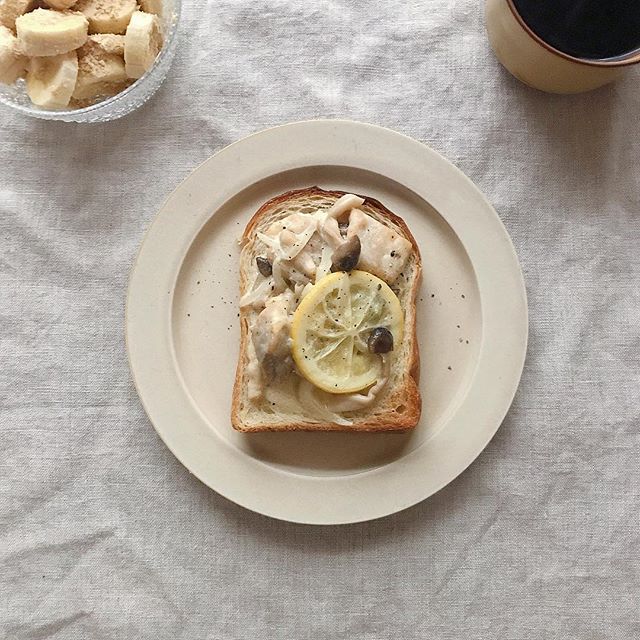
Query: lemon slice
x=331 y=327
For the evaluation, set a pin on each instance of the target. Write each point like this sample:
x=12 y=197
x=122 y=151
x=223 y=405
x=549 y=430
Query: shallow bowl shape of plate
x=182 y=326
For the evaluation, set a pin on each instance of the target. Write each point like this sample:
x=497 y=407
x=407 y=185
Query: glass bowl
x=119 y=105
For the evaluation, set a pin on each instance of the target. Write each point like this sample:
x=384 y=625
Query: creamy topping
x=258 y=296
x=324 y=267
x=329 y=406
x=299 y=248
x=314 y=407
x=254 y=377
x=356 y=401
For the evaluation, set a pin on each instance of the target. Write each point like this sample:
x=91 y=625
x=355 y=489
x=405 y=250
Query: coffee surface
x=585 y=28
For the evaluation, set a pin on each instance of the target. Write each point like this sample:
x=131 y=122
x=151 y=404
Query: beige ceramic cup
x=540 y=65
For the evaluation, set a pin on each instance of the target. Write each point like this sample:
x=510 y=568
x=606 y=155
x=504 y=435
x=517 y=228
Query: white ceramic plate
x=182 y=328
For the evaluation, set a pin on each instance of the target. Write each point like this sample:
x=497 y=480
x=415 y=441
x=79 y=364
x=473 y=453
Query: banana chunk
x=74 y=53
x=152 y=6
x=12 y=63
x=44 y=32
x=60 y=4
x=11 y=9
x=51 y=80
x=107 y=16
x=108 y=42
x=142 y=43
x=100 y=73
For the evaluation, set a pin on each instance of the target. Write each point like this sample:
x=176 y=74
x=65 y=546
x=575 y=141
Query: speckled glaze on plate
x=182 y=329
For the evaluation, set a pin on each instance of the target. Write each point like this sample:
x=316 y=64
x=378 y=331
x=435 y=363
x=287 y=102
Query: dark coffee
x=594 y=29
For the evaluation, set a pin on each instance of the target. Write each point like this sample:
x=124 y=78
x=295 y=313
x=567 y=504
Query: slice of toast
x=398 y=406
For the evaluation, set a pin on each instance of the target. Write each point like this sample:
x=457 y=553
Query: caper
x=264 y=266
x=380 y=340
x=346 y=256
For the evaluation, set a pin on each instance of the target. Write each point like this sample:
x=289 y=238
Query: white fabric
x=103 y=534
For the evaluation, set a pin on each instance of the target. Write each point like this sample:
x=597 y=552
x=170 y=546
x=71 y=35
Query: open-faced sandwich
x=328 y=282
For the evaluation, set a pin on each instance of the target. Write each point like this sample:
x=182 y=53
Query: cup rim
x=621 y=61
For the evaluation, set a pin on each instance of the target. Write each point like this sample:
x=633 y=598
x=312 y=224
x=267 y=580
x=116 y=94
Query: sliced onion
x=307 y=397
x=301 y=241
x=278 y=279
x=305 y=290
x=257 y=297
x=344 y=204
x=324 y=268
x=330 y=232
x=272 y=243
x=282 y=401
x=298 y=289
x=356 y=401
x=294 y=275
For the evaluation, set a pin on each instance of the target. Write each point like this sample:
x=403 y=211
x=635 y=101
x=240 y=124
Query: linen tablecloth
x=103 y=534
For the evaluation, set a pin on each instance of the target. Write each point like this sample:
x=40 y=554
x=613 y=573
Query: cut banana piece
x=11 y=9
x=108 y=42
x=60 y=4
x=152 y=6
x=100 y=73
x=51 y=80
x=107 y=16
x=142 y=43
x=12 y=62
x=44 y=32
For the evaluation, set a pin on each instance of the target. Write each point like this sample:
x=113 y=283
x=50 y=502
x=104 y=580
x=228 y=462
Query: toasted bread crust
x=407 y=396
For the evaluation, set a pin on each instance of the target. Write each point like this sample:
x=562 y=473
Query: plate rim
x=260 y=502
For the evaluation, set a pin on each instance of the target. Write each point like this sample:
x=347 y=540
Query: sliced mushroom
x=380 y=340
x=346 y=256
x=264 y=266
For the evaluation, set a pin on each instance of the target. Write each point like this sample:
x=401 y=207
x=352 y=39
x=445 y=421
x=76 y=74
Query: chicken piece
x=12 y=9
x=384 y=252
x=270 y=336
x=299 y=242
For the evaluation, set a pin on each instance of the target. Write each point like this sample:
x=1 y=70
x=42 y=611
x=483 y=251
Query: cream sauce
x=300 y=248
